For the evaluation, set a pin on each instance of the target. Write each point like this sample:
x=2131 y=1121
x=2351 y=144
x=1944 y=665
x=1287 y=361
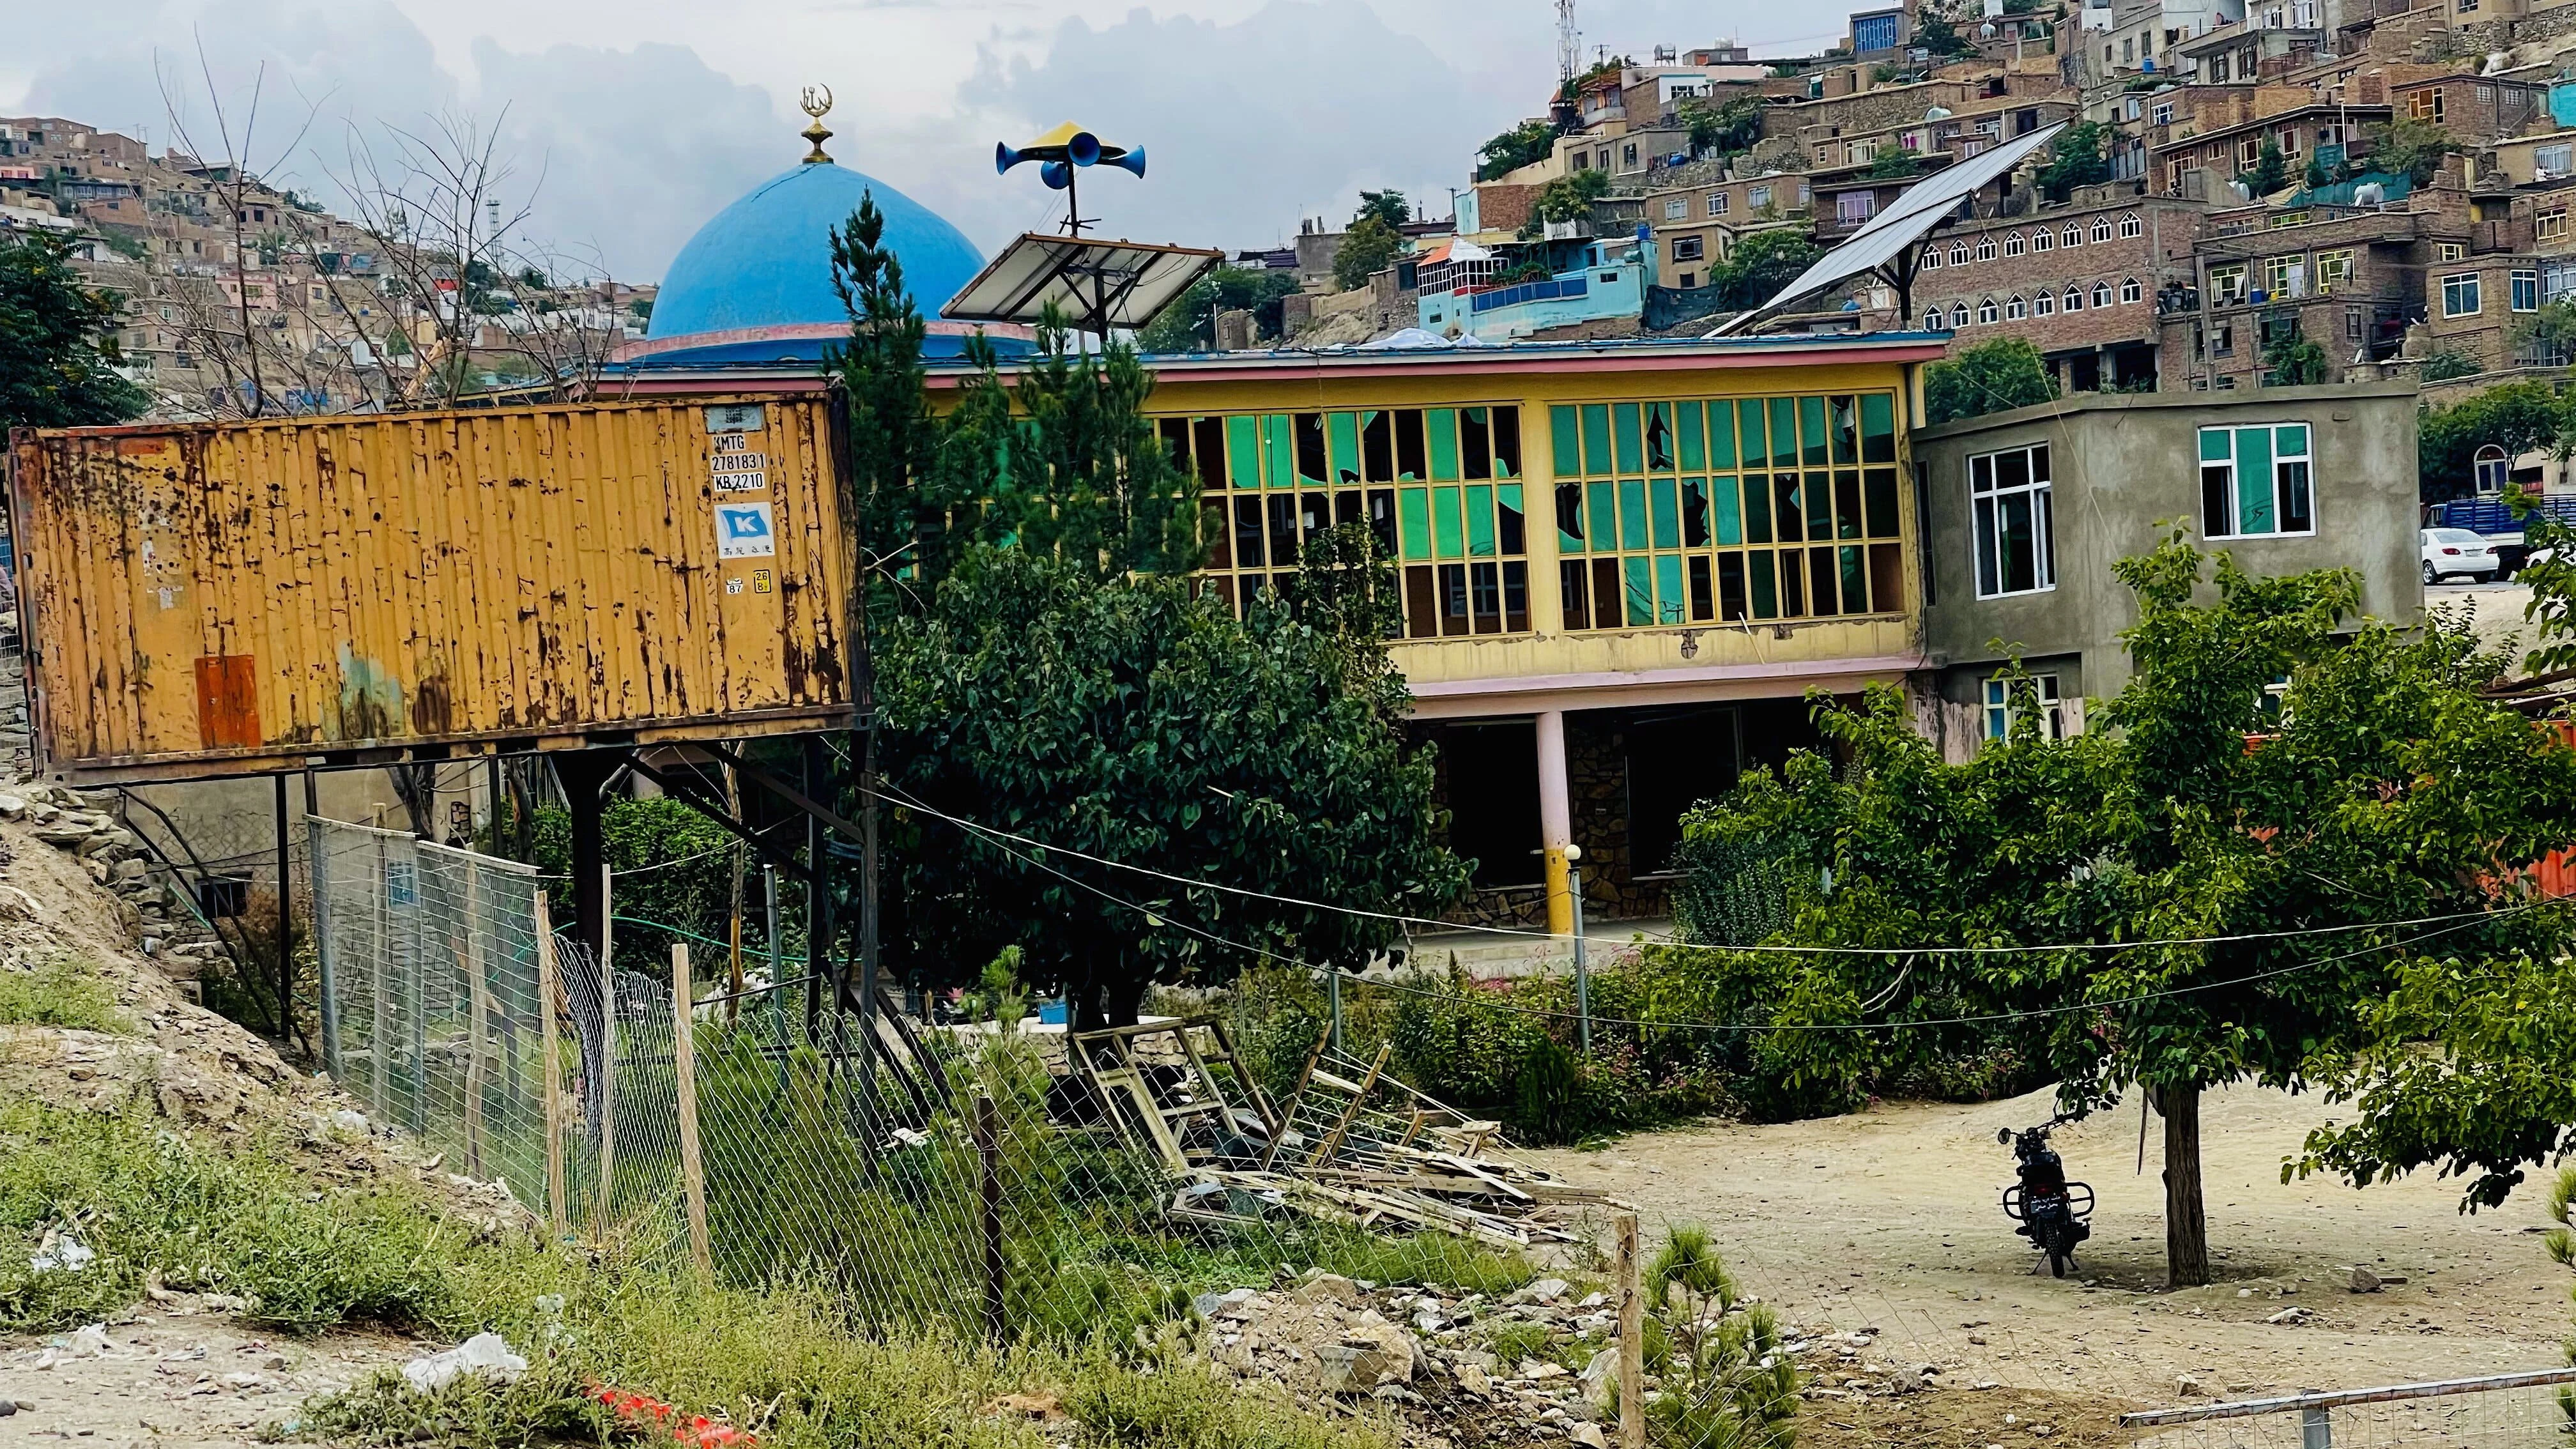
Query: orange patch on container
x=227 y=702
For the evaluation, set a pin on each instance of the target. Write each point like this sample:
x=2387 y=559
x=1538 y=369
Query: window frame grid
x=2037 y=488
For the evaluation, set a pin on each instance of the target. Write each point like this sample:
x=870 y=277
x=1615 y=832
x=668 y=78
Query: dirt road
x=177 y=1381
x=1889 y=1218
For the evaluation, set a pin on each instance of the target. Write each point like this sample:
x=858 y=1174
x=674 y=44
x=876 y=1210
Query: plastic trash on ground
x=61 y=1253
x=485 y=1354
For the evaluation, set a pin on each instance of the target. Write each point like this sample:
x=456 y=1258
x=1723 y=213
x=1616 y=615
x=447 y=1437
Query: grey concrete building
x=2026 y=513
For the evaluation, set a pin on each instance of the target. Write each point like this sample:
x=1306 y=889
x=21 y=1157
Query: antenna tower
x=1569 y=42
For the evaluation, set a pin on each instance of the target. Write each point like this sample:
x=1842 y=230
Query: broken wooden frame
x=1350 y=1145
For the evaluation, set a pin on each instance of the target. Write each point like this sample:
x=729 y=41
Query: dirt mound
x=68 y=905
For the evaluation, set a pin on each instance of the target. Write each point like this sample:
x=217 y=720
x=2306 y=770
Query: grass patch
x=60 y=993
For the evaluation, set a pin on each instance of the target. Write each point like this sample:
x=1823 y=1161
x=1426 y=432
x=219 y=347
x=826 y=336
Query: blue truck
x=2494 y=519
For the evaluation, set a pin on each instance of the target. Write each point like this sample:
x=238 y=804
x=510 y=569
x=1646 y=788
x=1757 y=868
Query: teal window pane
x=1756 y=448
x=1443 y=426
x=1659 y=437
x=1670 y=606
x=1414 y=517
x=1668 y=514
x=1766 y=588
x=1730 y=510
x=1855 y=582
x=1757 y=508
x=1623 y=421
x=2254 y=513
x=1784 y=432
x=1344 y=431
x=1601 y=516
x=1694 y=438
x=1820 y=506
x=1640 y=591
x=1569 y=450
x=1446 y=534
x=1877 y=427
x=2291 y=440
x=2213 y=445
x=1811 y=427
x=1480 y=522
x=1282 y=441
x=1243 y=451
x=1721 y=435
x=1632 y=513
x=1695 y=512
x=1596 y=438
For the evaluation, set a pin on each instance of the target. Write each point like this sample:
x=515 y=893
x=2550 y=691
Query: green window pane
x=1415 y=517
x=1659 y=437
x=1721 y=435
x=1811 y=427
x=1632 y=513
x=1880 y=486
x=1766 y=589
x=1623 y=419
x=1509 y=496
x=1784 y=432
x=1243 y=451
x=1344 y=430
x=1480 y=522
x=1569 y=450
x=1695 y=512
x=2254 y=482
x=1757 y=508
x=1446 y=534
x=1730 y=510
x=1569 y=518
x=1596 y=437
x=1820 y=506
x=2291 y=440
x=1668 y=515
x=1670 y=606
x=2213 y=445
x=1756 y=449
x=1443 y=423
x=1694 y=438
x=1282 y=440
x=1877 y=427
x=1601 y=516
x=1855 y=582
x=1641 y=592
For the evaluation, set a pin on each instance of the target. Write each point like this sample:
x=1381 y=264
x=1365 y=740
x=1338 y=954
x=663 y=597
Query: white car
x=2449 y=551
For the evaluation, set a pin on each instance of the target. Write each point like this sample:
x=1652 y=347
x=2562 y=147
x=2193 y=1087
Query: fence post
x=477 y=1006
x=552 y=1082
x=2316 y=1428
x=317 y=852
x=988 y=1146
x=1632 y=1339
x=684 y=1062
x=379 y=1041
x=607 y=1058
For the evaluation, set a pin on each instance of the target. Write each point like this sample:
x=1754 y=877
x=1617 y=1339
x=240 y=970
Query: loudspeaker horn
x=1083 y=149
x=1056 y=175
x=1133 y=161
x=1004 y=158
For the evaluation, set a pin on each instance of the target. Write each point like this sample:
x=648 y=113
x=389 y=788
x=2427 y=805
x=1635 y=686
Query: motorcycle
x=2054 y=1214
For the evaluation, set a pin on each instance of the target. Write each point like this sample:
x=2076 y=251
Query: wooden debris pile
x=1350 y=1144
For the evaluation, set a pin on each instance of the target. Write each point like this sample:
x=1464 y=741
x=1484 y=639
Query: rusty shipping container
x=234 y=598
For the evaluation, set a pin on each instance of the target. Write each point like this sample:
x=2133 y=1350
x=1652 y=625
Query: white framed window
x=2256 y=481
x=1986 y=311
x=1689 y=248
x=2492 y=469
x=1931 y=258
x=2073 y=301
x=1985 y=249
x=1958 y=316
x=1717 y=203
x=1758 y=197
x=1933 y=321
x=2015 y=308
x=2012 y=520
x=2042 y=239
x=2101 y=229
x=2130 y=225
x=2526 y=291
x=1999 y=707
x=2557 y=160
x=1958 y=254
x=2131 y=290
x=2163 y=113
x=2073 y=236
x=1677 y=208
x=2101 y=294
x=2460 y=295
x=2013 y=244
x=2044 y=305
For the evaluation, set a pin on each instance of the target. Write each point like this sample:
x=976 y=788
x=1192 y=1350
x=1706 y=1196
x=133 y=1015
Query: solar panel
x=1094 y=285
x=1907 y=220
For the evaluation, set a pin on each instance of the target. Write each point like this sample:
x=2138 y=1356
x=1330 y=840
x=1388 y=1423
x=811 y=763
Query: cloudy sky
x=628 y=122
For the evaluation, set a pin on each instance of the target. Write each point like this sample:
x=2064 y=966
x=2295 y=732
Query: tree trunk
x=2186 y=1227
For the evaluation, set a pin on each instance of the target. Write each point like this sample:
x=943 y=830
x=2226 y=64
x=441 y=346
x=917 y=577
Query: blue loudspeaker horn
x=1004 y=158
x=1056 y=175
x=1083 y=149
x=1133 y=161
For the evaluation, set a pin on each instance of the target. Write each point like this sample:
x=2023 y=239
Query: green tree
x=58 y=350
x=2519 y=417
x=1938 y=37
x=1894 y=163
x=2442 y=364
x=1188 y=324
x=2411 y=146
x=2076 y=158
x=2381 y=788
x=2317 y=176
x=1390 y=207
x=1570 y=197
x=1723 y=128
x=1990 y=377
x=1368 y=247
x=1760 y=264
x=2271 y=171
x=2293 y=361
x=1513 y=149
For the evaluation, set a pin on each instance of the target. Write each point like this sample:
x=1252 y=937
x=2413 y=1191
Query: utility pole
x=1569 y=43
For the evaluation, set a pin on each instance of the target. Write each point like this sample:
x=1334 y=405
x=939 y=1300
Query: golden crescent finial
x=814 y=107
x=818 y=99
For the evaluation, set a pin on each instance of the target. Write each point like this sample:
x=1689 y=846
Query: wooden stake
x=684 y=1059
x=552 y=1082
x=1632 y=1339
x=988 y=1147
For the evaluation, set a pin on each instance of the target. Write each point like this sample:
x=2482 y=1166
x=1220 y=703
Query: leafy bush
x=1727 y=1384
x=1990 y=377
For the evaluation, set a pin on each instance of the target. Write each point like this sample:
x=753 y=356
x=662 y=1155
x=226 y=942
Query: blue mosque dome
x=765 y=261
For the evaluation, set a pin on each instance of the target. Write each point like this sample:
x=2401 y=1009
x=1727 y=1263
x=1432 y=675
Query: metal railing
x=2316 y=1410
